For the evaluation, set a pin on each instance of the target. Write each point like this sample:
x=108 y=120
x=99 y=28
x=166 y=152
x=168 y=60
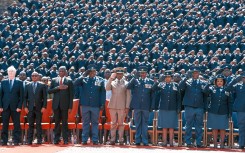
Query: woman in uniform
x=219 y=109
x=169 y=106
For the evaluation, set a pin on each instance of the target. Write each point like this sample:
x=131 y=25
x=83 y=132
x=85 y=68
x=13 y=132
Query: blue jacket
x=91 y=91
x=239 y=91
x=170 y=98
x=11 y=98
x=194 y=95
x=142 y=93
x=221 y=100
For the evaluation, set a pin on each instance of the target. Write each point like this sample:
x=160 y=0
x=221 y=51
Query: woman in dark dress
x=219 y=109
x=169 y=106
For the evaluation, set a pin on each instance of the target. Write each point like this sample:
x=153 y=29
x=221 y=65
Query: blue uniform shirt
x=142 y=93
x=169 y=93
x=193 y=92
x=91 y=91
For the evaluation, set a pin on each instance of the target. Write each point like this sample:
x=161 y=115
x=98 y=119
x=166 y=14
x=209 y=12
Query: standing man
x=35 y=102
x=238 y=88
x=62 y=88
x=142 y=97
x=11 y=96
x=92 y=97
x=118 y=104
x=194 y=106
x=22 y=77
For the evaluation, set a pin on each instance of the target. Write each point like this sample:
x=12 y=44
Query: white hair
x=11 y=68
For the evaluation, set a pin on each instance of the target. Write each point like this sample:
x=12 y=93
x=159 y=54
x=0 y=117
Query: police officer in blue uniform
x=194 y=104
x=142 y=97
x=92 y=97
x=238 y=87
x=169 y=106
x=219 y=109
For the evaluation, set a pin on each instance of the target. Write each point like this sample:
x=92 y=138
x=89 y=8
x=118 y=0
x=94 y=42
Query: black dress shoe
x=29 y=143
x=137 y=144
x=95 y=143
x=241 y=147
x=84 y=143
x=145 y=144
x=16 y=144
x=121 y=143
x=200 y=146
x=189 y=145
x=39 y=142
x=4 y=144
x=65 y=142
x=56 y=142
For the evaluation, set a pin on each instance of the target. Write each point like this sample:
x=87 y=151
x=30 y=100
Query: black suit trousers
x=16 y=120
x=33 y=115
x=61 y=116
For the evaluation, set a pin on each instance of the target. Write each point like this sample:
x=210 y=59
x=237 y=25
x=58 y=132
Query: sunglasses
x=34 y=75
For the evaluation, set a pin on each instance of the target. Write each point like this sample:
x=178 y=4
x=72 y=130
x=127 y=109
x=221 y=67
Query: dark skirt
x=167 y=119
x=216 y=121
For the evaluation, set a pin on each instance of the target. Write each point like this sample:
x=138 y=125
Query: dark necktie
x=10 y=84
x=34 y=86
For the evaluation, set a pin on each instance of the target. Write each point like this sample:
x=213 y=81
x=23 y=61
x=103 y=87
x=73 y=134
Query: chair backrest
x=234 y=119
x=72 y=115
x=22 y=115
x=107 y=112
x=48 y=112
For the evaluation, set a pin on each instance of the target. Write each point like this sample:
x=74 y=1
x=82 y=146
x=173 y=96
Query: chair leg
x=78 y=138
x=127 y=136
x=105 y=136
x=22 y=136
x=156 y=138
x=130 y=136
x=100 y=137
x=48 y=136
x=51 y=135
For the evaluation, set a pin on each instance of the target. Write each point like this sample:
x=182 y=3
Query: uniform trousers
x=90 y=116
x=141 y=118
x=241 y=126
x=117 y=118
x=193 y=117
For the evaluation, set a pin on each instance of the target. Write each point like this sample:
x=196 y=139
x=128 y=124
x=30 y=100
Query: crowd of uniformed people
x=165 y=55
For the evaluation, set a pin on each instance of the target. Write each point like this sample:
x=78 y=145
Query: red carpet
x=50 y=148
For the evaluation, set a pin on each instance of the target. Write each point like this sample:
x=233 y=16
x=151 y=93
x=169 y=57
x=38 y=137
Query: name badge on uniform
x=148 y=86
x=227 y=93
x=97 y=83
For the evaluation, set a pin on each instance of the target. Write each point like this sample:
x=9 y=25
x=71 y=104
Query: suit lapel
x=65 y=81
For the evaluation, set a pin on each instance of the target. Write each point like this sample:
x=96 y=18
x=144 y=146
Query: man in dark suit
x=62 y=88
x=11 y=96
x=35 y=102
x=23 y=78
